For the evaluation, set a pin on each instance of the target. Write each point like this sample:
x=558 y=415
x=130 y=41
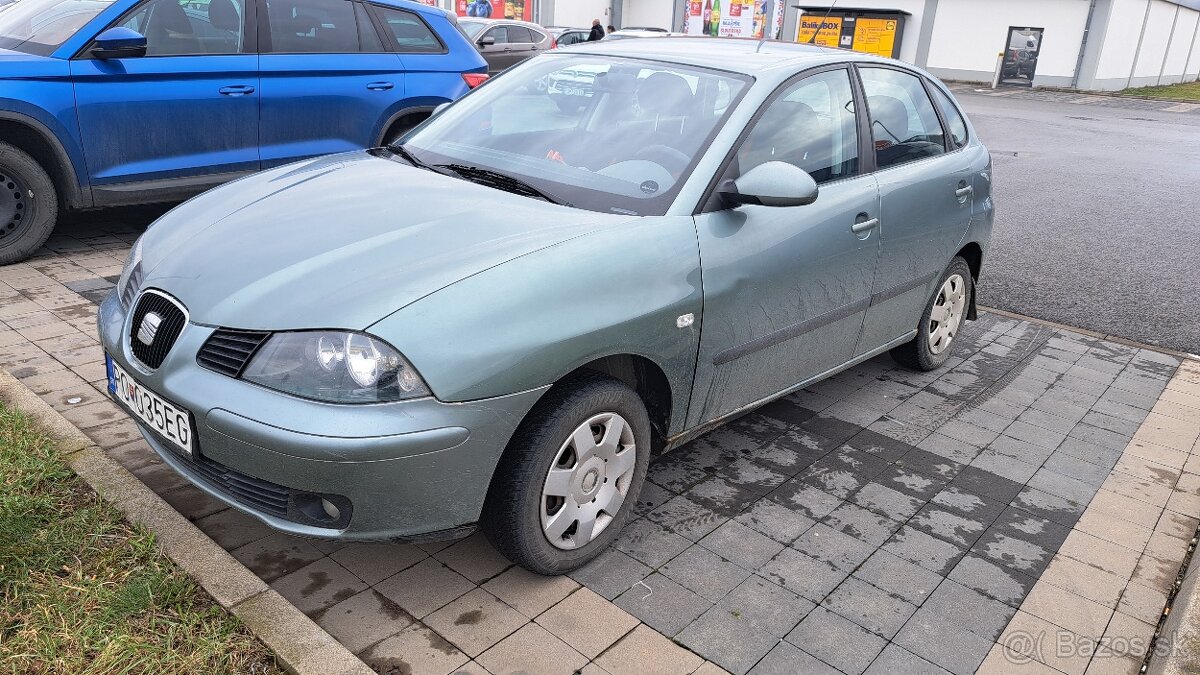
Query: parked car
x=565 y=37
x=626 y=33
x=497 y=321
x=506 y=42
x=131 y=101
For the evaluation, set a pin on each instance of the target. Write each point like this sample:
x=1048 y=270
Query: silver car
x=497 y=321
x=506 y=42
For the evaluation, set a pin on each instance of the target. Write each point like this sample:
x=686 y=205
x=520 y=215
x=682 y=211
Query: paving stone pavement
x=1038 y=491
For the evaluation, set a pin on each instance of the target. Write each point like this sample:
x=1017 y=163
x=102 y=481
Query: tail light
x=553 y=43
x=474 y=79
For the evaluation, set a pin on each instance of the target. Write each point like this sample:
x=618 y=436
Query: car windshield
x=606 y=134
x=40 y=26
x=471 y=28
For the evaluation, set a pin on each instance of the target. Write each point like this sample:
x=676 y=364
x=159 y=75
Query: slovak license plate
x=169 y=421
x=574 y=91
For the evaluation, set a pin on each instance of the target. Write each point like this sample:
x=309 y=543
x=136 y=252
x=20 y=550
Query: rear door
x=185 y=114
x=926 y=194
x=328 y=81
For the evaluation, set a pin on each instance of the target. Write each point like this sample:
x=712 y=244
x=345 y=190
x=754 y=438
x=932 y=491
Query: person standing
x=597 y=31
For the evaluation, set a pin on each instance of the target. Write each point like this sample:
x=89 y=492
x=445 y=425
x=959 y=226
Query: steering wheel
x=670 y=158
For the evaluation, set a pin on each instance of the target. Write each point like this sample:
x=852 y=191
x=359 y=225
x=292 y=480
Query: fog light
x=330 y=510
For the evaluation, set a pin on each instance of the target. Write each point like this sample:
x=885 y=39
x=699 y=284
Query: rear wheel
x=941 y=321
x=570 y=476
x=28 y=205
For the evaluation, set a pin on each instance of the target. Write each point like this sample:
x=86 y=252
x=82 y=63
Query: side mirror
x=119 y=43
x=487 y=41
x=771 y=184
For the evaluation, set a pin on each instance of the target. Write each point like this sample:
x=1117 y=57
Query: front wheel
x=28 y=205
x=940 y=322
x=570 y=476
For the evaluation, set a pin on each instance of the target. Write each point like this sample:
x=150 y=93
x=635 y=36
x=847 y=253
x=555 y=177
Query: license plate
x=574 y=91
x=169 y=421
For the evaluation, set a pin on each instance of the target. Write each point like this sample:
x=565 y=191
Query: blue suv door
x=328 y=81
x=183 y=116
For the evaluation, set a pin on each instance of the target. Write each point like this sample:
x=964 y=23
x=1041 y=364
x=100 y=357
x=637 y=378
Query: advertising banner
x=827 y=31
x=495 y=9
x=733 y=18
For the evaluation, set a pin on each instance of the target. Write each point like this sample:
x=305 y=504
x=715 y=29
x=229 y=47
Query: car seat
x=169 y=31
x=223 y=16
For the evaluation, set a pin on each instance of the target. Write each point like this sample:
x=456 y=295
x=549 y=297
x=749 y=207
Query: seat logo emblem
x=149 y=328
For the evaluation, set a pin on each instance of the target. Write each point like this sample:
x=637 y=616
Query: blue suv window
x=40 y=26
x=409 y=32
x=177 y=27
x=312 y=27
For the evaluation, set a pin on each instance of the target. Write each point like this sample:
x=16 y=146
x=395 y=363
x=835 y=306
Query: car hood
x=341 y=242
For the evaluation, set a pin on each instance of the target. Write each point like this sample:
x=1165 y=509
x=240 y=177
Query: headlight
x=335 y=366
x=131 y=275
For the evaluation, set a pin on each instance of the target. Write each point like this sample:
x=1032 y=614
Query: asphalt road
x=1097 y=220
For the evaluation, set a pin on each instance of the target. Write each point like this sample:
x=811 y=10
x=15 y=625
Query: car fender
x=70 y=176
x=524 y=324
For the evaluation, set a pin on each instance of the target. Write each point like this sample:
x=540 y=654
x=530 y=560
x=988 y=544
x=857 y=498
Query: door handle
x=380 y=86
x=863 y=226
x=236 y=90
x=964 y=191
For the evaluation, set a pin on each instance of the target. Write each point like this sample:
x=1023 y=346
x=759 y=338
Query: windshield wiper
x=399 y=149
x=501 y=181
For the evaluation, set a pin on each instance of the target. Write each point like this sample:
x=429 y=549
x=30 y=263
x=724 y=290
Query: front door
x=188 y=108
x=786 y=289
x=926 y=196
x=328 y=81
x=503 y=53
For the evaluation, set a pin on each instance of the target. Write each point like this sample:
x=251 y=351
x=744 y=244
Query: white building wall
x=912 y=24
x=1155 y=38
x=1121 y=40
x=968 y=35
x=579 y=13
x=650 y=13
x=1193 y=67
x=1181 y=45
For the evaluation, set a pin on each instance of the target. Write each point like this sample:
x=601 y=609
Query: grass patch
x=83 y=591
x=1188 y=91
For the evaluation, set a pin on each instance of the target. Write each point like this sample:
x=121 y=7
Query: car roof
x=742 y=55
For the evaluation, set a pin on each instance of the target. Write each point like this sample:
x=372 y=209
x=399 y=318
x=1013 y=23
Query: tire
x=28 y=205
x=519 y=513
x=953 y=292
x=403 y=127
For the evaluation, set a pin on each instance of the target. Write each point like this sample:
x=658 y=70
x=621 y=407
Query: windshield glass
x=40 y=26
x=601 y=133
x=471 y=28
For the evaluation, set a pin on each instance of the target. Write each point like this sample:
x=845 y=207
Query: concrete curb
x=1096 y=334
x=299 y=644
x=1177 y=642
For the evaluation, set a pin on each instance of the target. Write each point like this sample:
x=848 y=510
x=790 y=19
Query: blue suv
x=111 y=102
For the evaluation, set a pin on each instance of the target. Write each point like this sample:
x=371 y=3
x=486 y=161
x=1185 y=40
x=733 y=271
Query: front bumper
x=408 y=468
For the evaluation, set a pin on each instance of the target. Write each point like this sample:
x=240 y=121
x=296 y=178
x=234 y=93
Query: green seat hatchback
x=496 y=321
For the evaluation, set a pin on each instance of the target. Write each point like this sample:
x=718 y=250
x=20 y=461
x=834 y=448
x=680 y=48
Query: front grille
x=259 y=494
x=228 y=351
x=172 y=319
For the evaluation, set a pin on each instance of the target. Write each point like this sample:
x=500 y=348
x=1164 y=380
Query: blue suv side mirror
x=119 y=43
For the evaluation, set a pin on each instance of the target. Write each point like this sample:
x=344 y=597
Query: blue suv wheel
x=28 y=205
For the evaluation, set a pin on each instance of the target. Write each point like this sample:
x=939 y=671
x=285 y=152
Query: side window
x=519 y=34
x=904 y=125
x=500 y=34
x=409 y=31
x=812 y=126
x=954 y=119
x=175 y=27
x=312 y=27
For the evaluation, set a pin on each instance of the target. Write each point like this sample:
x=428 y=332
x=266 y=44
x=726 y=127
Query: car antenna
x=812 y=38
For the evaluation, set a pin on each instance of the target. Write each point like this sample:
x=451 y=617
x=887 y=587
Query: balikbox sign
x=733 y=18
x=496 y=9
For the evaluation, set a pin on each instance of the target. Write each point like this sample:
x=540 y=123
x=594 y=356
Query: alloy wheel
x=588 y=481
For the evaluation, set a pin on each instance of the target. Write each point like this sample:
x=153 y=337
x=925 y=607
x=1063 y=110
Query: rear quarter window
x=955 y=123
